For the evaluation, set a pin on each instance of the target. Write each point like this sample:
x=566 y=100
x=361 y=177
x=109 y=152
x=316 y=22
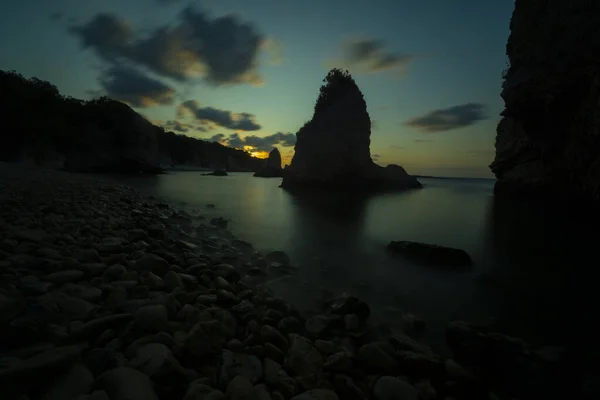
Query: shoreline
x=108 y=286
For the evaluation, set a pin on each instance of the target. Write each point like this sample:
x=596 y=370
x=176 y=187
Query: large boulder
x=548 y=138
x=272 y=167
x=332 y=149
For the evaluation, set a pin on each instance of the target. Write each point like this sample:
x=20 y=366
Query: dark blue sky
x=249 y=70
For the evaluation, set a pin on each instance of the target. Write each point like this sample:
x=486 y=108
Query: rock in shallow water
x=431 y=254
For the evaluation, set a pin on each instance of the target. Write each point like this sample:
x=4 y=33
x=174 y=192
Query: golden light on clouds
x=256 y=153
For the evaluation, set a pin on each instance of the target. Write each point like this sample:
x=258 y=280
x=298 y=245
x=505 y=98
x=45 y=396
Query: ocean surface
x=534 y=264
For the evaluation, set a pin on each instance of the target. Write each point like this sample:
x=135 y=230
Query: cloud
x=397 y=147
x=223 y=118
x=257 y=143
x=375 y=157
x=134 y=88
x=371 y=56
x=223 y=50
x=423 y=141
x=56 y=16
x=217 y=138
x=449 y=118
x=177 y=126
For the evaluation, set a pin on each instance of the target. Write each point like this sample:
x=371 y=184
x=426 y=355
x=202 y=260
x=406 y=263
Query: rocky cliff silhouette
x=332 y=149
x=549 y=137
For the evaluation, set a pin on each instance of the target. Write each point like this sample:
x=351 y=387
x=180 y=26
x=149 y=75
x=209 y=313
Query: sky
x=247 y=73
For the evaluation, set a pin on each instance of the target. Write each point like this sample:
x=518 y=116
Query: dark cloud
x=375 y=157
x=222 y=50
x=217 y=138
x=449 y=118
x=265 y=143
x=107 y=34
x=371 y=56
x=177 y=126
x=134 y=88
x=223 y=118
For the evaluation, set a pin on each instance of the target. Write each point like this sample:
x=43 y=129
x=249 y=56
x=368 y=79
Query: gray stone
x=303 y=358
x=124 y=383
x=152 y=263
x=200 y=391
x=277 y=378
x=239 y=388
x=60 y=277
x=391 y=388
x=152 y=318
x=317 y=394
x=78 y=380
x=234 y=364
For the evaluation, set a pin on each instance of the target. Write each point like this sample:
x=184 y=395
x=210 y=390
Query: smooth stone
x=40 y=364
x=97 y=395
x=302 y=357
x=338 y=362
x=152 y=263
x=391 y=388
x=124 y=383
x=197 y=390
x=351 y=321
x=234 y=364
x=152 y=318
x=239 y=388
x=115 y=272
x=317 y=394
x=99 y=325
x=277 y=378
x=76 y=381
x=86 y=255
x=261 y=392
x=60 y=277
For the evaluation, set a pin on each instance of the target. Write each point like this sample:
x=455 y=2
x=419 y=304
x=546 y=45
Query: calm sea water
x=532 y=275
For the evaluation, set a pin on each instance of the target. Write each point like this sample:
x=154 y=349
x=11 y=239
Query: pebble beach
x=107 y=293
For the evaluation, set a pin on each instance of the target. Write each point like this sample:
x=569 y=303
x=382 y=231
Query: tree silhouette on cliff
x=337 y=84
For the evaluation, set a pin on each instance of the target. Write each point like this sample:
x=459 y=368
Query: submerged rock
x=332 y=149
x=218 y=172
x=272 y=167
x=431 y=253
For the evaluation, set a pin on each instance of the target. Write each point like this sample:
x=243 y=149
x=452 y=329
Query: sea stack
x=272 y=167
x=548 y=140
x=332 y=149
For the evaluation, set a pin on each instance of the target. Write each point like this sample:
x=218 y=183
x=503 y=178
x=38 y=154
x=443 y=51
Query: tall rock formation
x=272 y=167
x=549 y=137
x=332 y=149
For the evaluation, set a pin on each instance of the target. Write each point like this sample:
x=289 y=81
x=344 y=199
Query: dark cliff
x=42 y=127
x=333 y=149
x=548 y=139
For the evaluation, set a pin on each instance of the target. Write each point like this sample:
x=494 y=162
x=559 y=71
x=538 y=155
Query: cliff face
x=272 y=167
x=333 y=149
x=548 y=138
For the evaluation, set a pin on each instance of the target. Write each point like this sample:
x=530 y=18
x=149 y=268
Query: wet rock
x=65 y=276
x=317 y=394
x=303 y=358
x=377 y=356
x=86 y=255
x=157 y=361
x=99 y=325
x=200 y=391
x=152 y=263
x=261 y=392
x=78 y=380
x=47 y=362
x=391 y=388
x=152 y=318
x=431 y=254
x=338 y=362
x=234 y=364
x=126 y=383
x=272 y=335
x=277 y=378
x=239 y=388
